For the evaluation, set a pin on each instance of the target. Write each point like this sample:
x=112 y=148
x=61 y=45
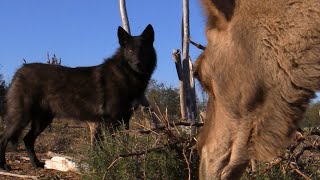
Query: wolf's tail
x=17 y=115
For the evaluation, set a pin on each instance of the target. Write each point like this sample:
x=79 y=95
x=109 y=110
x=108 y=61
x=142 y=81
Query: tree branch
x=197 y=45
x=161 y=128
x=299 y=172
x=177 y=60
x=139 y=153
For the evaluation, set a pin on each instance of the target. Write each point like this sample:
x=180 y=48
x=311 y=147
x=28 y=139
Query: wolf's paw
x=5 y=167
x=38 y=165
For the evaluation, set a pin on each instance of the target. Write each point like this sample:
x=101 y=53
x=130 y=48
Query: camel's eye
x=196 y=74
x=197 y=67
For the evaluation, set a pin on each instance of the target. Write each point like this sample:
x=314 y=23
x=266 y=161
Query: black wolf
x=102 y=94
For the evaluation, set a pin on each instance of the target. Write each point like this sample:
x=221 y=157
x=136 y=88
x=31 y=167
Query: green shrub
x=128 y=155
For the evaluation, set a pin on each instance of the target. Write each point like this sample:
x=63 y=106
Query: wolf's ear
x=123 y=36
x=148 y=33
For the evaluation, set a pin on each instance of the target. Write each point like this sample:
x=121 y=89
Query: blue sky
x=83 y=32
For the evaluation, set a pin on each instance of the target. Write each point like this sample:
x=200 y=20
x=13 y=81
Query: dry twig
x=299 y=172
x=186 y=159
x=199 y=46
x=18 y=175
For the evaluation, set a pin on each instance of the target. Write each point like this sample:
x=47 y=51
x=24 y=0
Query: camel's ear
x=219 y=12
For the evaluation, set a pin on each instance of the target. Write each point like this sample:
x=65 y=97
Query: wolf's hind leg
x=14 y=126
x=96 y=135
x=3 y=146
x=38 y=124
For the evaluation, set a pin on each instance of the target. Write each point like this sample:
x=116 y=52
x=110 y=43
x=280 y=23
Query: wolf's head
x=138 y=51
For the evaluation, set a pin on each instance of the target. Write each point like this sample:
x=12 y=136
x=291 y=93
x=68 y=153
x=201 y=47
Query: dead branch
x=147 y=104
x=165 y=121
x=177 y=60
x=160 y=115
x=170 y=125
x=186 y=159
x=197 y=45
x=139 y=153
x=165 y=127
x=113 y=162
x=299 y=172
x=48 y=58
x=18 y=175
x=54 y=60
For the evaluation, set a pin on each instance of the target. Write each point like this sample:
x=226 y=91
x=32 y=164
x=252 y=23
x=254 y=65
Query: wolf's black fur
x=103 y=93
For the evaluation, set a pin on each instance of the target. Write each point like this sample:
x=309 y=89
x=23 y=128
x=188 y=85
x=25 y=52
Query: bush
x=132 y=155
x=312 y=116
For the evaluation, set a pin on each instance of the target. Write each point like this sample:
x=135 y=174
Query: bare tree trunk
x=184 y=69
x=193 y=104
x=185 y=60
x=124 y=16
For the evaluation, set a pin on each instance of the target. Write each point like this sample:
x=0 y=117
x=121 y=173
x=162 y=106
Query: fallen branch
x=154 y=149
x=139 y=153
x=18 y=175
x=161 y=128
x=299 y=172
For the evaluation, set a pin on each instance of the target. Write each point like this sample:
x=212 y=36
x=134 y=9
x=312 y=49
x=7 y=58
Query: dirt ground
x=23 y=167
x=61 y=138
x=65 y=137
x=72 y=139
